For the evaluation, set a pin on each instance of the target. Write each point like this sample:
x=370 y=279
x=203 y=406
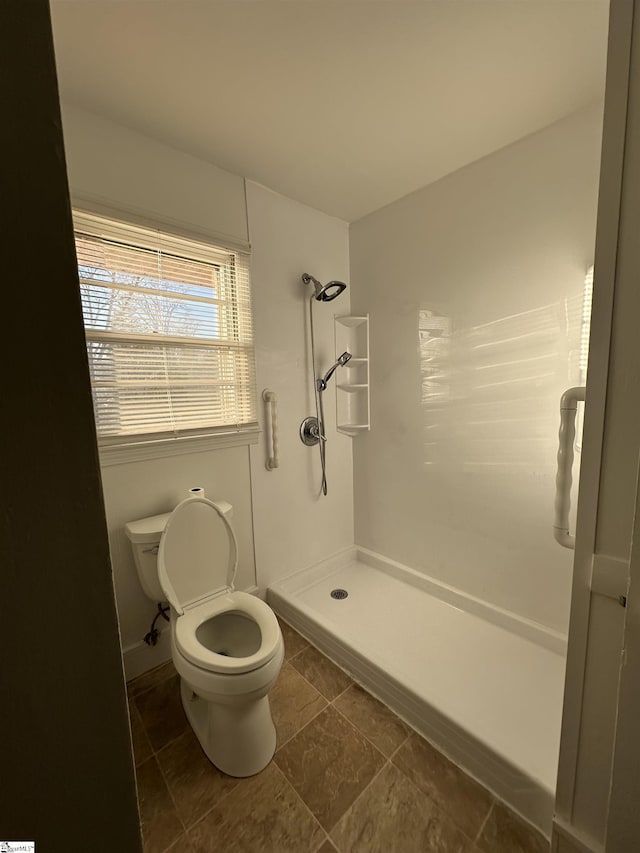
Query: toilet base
x=240 y=739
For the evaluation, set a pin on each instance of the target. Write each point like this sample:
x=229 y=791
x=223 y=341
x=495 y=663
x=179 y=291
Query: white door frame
x=623 y=819
x=601 y=564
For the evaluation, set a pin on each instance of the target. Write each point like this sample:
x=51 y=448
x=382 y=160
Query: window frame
x=115 y=450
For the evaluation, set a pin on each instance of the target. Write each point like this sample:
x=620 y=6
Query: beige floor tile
x=327 y=755
x=325 y=676
x=374 y=719
x=150 y=679
x=293 y=642
x=262 y=814
x=327 y=847
x=294 y=702
x=141 y=746
x=161 y=711
x=161 y=825
x=329 y=763
x=458 y=795
x=504 y=832
x=195 y=784
x=393 y=816
x=182 y=845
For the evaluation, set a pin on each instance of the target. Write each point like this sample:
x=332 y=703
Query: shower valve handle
x=314 y=429
x=310 y=433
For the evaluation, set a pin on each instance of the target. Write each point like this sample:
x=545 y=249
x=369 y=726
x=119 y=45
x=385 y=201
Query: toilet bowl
x=226 y=645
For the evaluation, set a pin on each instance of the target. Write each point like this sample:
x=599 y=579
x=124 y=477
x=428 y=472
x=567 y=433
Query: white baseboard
x=566 y=839
x=139 y=657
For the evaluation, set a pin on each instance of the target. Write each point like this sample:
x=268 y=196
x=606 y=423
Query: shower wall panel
x=475 y=289
x=294 y=525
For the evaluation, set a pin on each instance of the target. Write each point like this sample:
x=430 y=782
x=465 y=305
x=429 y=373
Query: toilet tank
x=144 y=536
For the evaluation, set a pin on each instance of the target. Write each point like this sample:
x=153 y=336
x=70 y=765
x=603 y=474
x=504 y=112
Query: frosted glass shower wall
x=474 y=286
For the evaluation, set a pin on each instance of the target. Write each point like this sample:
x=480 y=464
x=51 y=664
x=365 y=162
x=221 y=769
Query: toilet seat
x=198 y=554
x=248 y=605
x=197 y=563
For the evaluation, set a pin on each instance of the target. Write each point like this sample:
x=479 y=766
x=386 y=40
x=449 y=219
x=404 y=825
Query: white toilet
x=226 y=645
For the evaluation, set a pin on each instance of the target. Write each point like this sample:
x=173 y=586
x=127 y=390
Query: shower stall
x=452 y=606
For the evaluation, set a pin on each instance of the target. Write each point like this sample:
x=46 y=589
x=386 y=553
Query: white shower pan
x=484 y=686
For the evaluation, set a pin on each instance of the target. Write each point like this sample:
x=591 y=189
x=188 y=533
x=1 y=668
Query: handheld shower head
x=340 y=362
x=324 y=293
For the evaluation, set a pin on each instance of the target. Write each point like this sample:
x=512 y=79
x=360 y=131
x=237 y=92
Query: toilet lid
x=198 y=553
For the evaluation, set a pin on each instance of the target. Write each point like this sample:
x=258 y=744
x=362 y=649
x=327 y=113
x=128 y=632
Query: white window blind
x=585 y=326
x=169 y=332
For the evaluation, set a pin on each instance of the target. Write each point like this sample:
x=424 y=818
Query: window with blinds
x=583 y=359
x=585 y=326
x=169 y=332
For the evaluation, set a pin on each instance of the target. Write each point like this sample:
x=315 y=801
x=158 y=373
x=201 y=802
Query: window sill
x=138 y=451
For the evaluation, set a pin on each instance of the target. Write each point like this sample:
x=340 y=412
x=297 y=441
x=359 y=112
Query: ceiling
x=345 y=105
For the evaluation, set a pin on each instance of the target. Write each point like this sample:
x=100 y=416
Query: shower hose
x=322 y=438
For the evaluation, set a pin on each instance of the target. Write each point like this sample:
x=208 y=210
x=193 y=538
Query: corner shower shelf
x=351 y=388
x=352 y=396
x=352 y=429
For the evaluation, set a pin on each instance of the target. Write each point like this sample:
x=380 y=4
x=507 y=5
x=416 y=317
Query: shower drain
x=339 y=593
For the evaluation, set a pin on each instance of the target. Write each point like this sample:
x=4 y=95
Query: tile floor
x=347 y=776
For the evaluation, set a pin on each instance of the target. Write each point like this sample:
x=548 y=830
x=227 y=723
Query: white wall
x=138 y=489
x=456 y=477
x=294 y=526
x=112 y=164
x=512 y=233
x=116 y=168
x=123 y=170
